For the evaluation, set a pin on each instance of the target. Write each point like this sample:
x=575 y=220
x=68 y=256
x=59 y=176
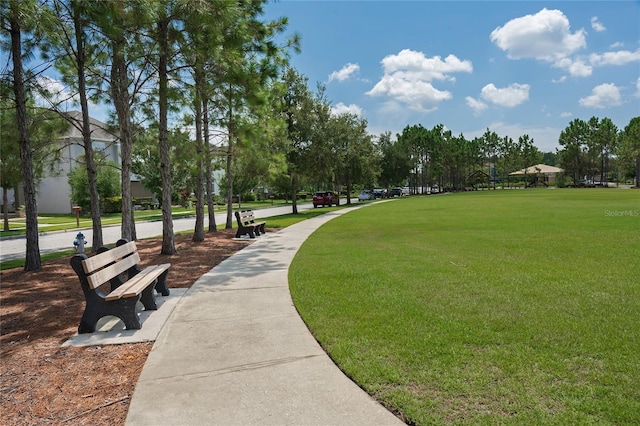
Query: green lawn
x=497 y=307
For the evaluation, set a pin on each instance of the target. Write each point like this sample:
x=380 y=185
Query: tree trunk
x=198 y=232
x=209 y=175
x=120 y=95
x=16 y=197
x=349 y=186
x=294 y=193
x=86 y=132
x=32 y=258
x=638 y=172
x=229 y=171
x=5 y=208
x=168 y=242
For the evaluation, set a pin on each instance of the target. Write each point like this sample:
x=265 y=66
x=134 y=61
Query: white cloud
x=509 y=96
x=602 y=96
x=638 y=87
x=341 y=108
x=417 y=95
x=545 y=36
x=566 y=115
x=475 y=104
x=575 y=67
x=55 y=94
x=416 y=66
x=616 y=45
x=51 y=85
x=344 y=73
x=620 y=57
x=597 y=25
x=408 y=76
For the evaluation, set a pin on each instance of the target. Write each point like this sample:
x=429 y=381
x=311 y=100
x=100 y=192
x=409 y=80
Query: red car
x=325 y=198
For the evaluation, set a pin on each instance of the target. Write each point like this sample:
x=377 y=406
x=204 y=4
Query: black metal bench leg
x=88 y=321
x=94 y=309
x=97 y=307
x=148 y=298
x=161 y=285
x=126 y=311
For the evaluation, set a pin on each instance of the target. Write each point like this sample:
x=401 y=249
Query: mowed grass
x=501 y=307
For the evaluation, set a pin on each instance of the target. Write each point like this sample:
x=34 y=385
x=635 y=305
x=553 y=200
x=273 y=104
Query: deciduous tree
x=573 y=139
x=300 y=111
x=629 y=148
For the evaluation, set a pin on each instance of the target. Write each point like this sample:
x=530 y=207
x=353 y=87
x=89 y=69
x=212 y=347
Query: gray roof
x=99 y=130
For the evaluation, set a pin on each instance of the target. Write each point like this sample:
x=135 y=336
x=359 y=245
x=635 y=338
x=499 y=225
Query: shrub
x=108 y=182
x=248 y=197
x=111 y=204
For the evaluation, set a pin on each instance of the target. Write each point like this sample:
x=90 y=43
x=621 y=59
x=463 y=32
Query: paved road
x=56 y=241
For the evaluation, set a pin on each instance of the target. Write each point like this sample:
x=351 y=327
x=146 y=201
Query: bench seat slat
x=252 y=223
x=138 y=283
x=149 y=274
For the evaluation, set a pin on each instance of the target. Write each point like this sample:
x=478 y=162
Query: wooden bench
x=247 y=224
x=111 y=266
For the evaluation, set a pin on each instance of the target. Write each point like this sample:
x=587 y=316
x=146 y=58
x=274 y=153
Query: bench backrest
x=111 y=263
x=246 y=216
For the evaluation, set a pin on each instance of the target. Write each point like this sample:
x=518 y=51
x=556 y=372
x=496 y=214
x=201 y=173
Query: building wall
x=54 y=192
x=54 y=195
x=139 y=191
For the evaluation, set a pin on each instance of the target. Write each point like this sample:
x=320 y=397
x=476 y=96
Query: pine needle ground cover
x=496 y=307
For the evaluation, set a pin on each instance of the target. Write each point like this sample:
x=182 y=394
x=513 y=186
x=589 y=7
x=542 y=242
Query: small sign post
x=77 y=209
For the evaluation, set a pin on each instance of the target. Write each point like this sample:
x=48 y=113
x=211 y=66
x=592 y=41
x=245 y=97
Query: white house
x=54 y=192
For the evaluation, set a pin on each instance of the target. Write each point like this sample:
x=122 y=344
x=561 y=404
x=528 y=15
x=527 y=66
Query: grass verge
x=501 y=307
x=280 y=221
x=58 y=222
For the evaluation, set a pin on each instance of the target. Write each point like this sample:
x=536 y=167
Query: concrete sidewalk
x=234 y=351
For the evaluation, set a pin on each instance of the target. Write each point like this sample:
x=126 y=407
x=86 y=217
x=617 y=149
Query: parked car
x=325 y=198
x=365 y=195
x=395 y=192
x=378 y=193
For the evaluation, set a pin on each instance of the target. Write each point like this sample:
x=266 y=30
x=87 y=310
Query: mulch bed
x=44 y=383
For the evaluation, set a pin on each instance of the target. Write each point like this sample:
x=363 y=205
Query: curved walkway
x=235 y=351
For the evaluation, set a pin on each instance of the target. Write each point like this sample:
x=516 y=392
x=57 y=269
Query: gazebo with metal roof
x=544 y=171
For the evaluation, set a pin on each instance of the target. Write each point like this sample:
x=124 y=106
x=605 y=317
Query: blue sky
x=527 y=67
